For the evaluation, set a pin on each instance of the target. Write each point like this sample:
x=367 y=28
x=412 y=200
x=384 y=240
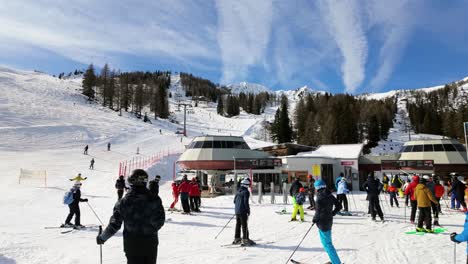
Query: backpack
x=300 y=198
x=68 y=197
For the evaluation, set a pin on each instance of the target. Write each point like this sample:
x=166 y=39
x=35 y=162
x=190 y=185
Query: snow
x=247 y=88
x=342 y=151
x=45 y=123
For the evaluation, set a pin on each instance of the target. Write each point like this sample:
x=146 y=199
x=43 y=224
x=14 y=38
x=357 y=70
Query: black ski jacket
x=77 y=198
x=295 y=186
x=120 y=184
x=372 y=186
x=154 y=187
x=142 y=215
x=325 y=208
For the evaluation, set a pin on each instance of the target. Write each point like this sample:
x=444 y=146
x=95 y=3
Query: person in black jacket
x=75 y=206
x=295 y=186
x=143 y=215
x=458 y=188
x=154 y=185
x=242 y=211
x=373 y=187
x=120 y=186
x=326 y=207
x=311 y=191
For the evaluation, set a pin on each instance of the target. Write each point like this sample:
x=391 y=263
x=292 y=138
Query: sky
x=351 y=46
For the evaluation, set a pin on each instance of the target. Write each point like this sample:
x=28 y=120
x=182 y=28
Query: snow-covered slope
x=247 y=88
x=298 y=93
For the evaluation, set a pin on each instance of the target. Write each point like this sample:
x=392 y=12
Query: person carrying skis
x=300 y=199
x=424 y=198
x=373 y=187
x=410 y=191
x=143 y=215
x=91 y=165
x=78 y=178
x=120 y=186
x=194 y=193
x=341 y=191
x=311 y=192
x=75 y=207
x=184 y=189
x=242 y=211
x=154 y=185
x=175 y=194
x=326 y=207
x=85 y=152
x=395 y=185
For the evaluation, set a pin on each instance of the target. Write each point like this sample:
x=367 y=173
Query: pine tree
x=285 y=132
x=104 y=80
x=220 y=107
x=89 y=82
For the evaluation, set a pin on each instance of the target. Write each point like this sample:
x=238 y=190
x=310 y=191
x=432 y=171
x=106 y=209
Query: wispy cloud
x=243 y=35
x=343 y=19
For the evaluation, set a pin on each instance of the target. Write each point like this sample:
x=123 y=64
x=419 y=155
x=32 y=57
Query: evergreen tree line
x=440 y=112
x=129 y=91
x=334 y=119
x=255 y=103
x=199 y=87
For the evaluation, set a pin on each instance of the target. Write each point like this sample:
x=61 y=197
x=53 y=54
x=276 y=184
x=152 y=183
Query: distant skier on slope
x=91 y=164
x=74 y=207
x=85 y=152
x=373 y=187
x=120 y=186
x=242 y=211
x=326 y=207
x=424 y=198
x=78 y=178
x=143 y=215
x=108 y=146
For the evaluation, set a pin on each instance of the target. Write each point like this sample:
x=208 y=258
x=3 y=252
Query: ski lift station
x=216 y=159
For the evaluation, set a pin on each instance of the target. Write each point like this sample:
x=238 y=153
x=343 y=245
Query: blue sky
x=352 y=46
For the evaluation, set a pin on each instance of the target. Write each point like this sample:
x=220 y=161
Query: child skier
x=175 y=194
x=300 y=199
x=424 y=198
x=323 y=218
x=75 y=207
x=78 y=178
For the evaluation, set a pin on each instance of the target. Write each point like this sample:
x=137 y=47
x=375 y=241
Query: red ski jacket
x=410 y=189
x=184 y=187
x=194 y=190
x=175 y=189
x=439 y=190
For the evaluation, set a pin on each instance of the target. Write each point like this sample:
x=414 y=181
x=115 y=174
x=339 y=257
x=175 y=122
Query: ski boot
x=247 y=242
x=293 y=219
x=420 y=229
x=436 y=222
x=66 y=225
x=237 y=241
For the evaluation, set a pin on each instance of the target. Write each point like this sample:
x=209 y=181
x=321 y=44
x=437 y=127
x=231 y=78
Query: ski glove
x=99 y=240
x=85 y=199
x=452 y=237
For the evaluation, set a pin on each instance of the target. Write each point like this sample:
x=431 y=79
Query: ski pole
x=225 y=226
x=454 y=253
x=100 y=246
x=299 y=243
x=94 y=213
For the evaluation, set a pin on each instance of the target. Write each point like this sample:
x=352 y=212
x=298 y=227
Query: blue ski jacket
x=342 y=187
x=463 y=236
x=241 y=200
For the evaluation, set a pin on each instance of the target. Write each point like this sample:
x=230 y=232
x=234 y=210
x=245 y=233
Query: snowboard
x=436 y=231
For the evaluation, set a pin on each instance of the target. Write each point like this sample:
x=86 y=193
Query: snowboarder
x=300 y=199
x=410 y=191
x=85 y=152
x=154 y=185
x=424 y=198
x=108 y=146
x=78 y=178
x=311 y=191
x=242 y=211
x=91 y=165
x=143 y=215
x=341 y=191
x=395 y=185
x=373 y=187
x=75 y=206
x=194 y=195
x=175 y=194
x=120 y=186
x=184 y=189
x=326 y=207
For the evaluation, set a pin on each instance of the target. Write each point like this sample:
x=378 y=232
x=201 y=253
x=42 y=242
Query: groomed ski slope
x=39 y=131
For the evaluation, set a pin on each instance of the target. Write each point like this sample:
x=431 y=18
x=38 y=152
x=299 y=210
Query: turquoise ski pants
x=326 y=239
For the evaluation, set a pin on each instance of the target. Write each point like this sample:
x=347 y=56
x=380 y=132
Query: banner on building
x=316 y=170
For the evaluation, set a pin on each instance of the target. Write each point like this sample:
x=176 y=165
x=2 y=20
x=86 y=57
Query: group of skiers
x=190 y=194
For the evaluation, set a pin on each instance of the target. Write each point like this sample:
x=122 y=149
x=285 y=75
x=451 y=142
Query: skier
x=194 y=194
x=120 y=186
x=300 y=199
x=143 y=215
x=410 y=191
x=175 y=194
x=311 y=191
x=338 y=179
x=184 y=189
x=75 y=207
x=198 y=198
x=242 y=211
x=404 y=189
x=424 y=198
x=341 y=191
x=385 y=183
x=78 y=178
x=85 y=152
x=154 y=185
x=326 y=207
x=295 y=186
x=373 y=187
x=395 y=185
x=439 y=191
x=91 y=165
x=458 y=187
x=108 y=146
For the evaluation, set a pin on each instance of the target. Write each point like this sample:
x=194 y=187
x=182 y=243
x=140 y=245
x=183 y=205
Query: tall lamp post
x=235 y=175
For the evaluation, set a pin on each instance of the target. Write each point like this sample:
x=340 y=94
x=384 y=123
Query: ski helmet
x=245 y=182
x=462 y=179
x=138 y=177
x=301 y=189
x=77 y=184
x=319 y=184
